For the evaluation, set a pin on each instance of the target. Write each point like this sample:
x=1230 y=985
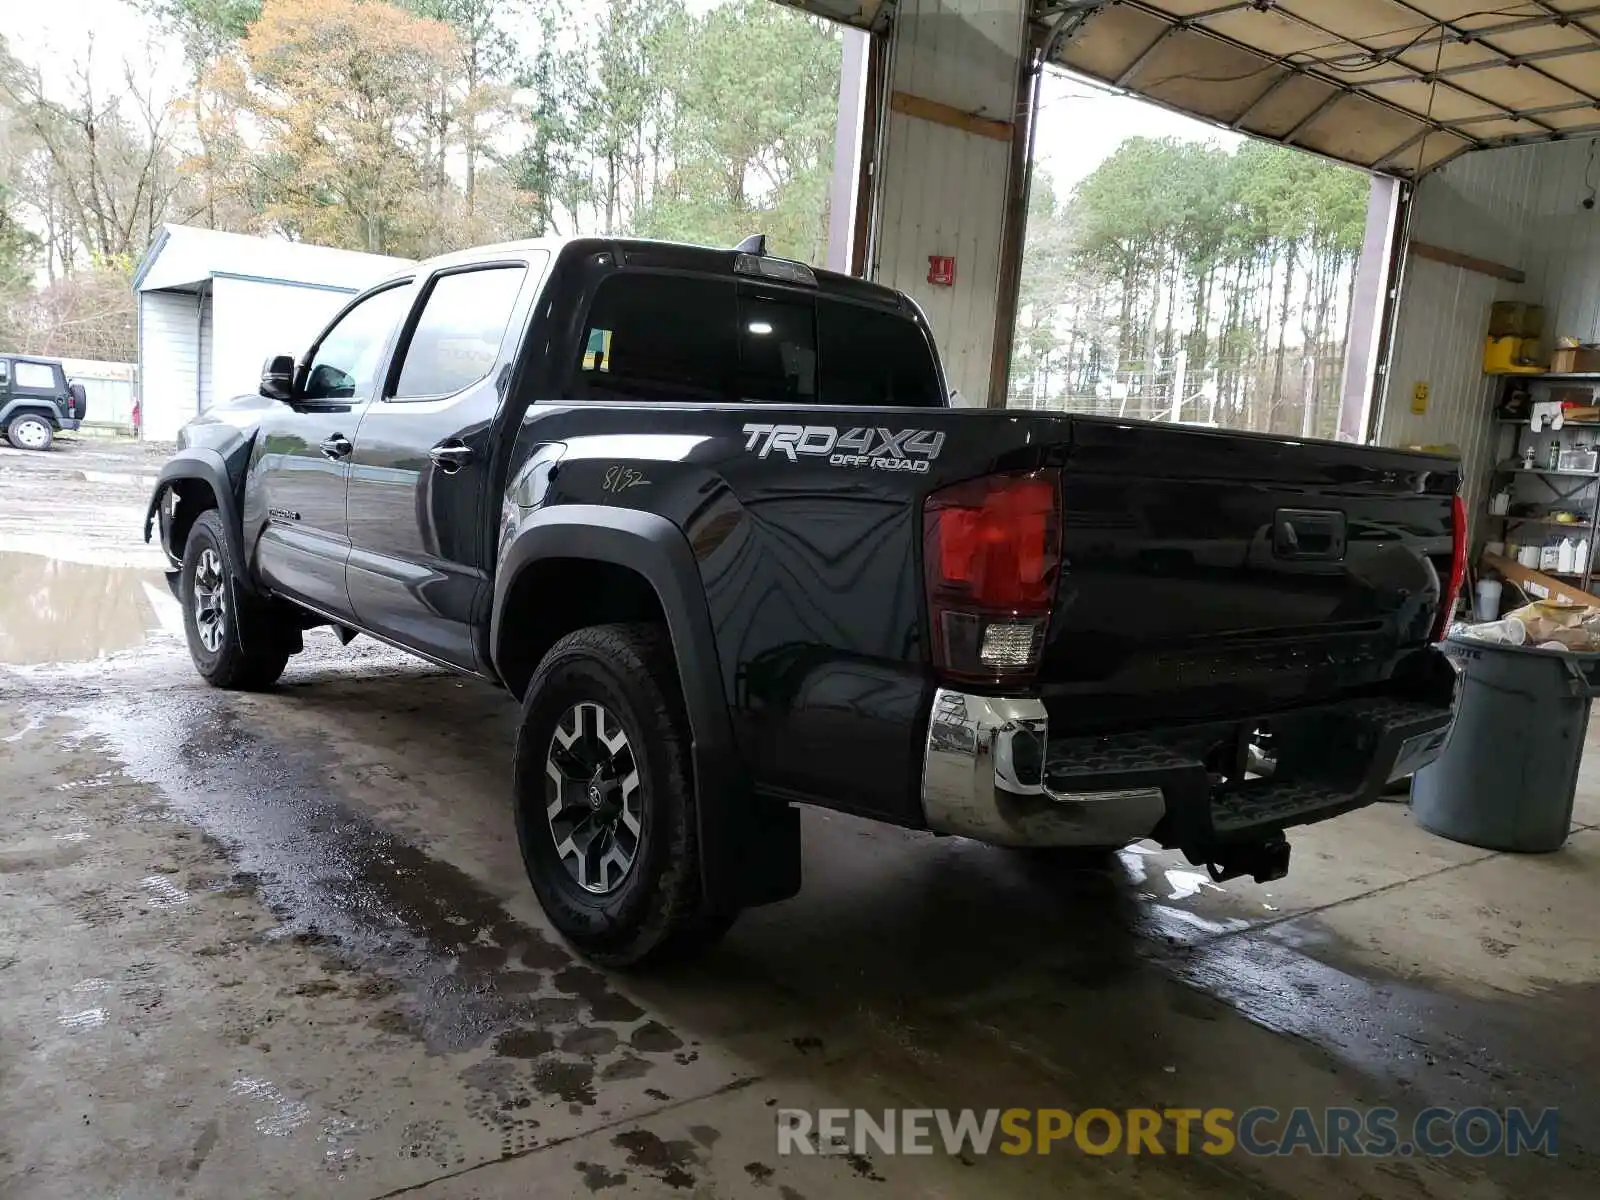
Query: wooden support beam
x=949 y=116
x=1454 y=258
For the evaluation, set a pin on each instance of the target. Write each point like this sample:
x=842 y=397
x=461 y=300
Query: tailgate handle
x=1308 y=534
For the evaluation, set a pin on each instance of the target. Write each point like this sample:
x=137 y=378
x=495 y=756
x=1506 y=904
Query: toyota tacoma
x=709 y=516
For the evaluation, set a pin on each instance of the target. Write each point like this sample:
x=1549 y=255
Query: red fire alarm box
x=942 y=270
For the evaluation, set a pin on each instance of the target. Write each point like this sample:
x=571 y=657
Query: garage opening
x=1180 y=272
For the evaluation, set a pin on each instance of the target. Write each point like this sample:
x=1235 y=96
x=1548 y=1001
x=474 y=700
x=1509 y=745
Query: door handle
x=338 y=446
x=451 y=456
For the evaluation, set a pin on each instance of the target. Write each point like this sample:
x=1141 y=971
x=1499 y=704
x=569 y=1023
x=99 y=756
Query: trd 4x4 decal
x=877 y=448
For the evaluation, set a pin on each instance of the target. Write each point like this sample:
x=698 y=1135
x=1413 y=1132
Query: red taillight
x=991 y=552
x=1458 y=568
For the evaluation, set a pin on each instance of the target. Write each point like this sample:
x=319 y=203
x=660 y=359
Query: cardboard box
x=1537 y=584
x=1580 y=360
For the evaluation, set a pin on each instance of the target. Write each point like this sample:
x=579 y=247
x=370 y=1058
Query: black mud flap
x=749 y=845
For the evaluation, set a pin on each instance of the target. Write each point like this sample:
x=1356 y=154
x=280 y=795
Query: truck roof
x=648 y=252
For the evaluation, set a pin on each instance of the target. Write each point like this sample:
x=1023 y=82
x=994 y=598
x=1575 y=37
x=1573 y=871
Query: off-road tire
x=244 y=659
x=655 y=913
x=42 y=439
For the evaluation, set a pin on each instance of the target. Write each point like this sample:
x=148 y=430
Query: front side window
x=36 y=376
x=345 y=365
x=457 y=338
x=5 y=371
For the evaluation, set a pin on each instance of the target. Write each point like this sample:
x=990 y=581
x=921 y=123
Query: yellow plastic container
x=1511 y=356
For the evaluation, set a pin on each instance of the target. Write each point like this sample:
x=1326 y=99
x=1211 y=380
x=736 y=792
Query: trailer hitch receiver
x=1263 y=861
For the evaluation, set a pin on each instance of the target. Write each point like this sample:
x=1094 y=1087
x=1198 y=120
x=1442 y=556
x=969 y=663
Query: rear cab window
x=689 y=339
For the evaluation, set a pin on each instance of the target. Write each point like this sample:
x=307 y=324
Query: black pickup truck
x=708 y=515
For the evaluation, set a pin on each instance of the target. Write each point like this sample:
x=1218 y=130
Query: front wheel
x=233 y=644
x=604 y=801
x=30 y=432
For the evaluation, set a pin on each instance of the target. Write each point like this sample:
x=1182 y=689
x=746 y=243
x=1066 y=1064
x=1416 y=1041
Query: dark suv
x=37 y=401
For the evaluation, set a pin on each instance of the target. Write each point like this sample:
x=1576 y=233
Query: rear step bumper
x=991 y=772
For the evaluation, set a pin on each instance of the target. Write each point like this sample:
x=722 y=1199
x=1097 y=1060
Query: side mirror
x=277 y=378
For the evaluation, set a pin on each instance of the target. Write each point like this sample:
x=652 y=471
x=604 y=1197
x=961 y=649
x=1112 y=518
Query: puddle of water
x=54 y=611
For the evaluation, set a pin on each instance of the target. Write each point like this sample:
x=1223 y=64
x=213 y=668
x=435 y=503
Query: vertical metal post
x=1362 y=340
x=1393 y=281
x=869 y=184
x=1013 y=235
x=847 y=154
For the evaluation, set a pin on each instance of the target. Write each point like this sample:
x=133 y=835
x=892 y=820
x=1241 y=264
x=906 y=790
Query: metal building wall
x=1519 y=207
x=1563 y=260
x=168 y=371
x=942 y=189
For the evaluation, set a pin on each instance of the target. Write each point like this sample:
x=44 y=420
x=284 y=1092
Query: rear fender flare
x=655 y=548
x=749 y=847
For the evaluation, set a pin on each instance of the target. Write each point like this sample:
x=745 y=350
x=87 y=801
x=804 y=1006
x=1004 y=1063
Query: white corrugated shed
x=212 y=306
x=943 y=189
x=184 y=256
x=169 y=354
x=1520 y=207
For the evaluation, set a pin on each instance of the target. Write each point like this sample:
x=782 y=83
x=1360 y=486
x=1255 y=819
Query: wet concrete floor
x=281 y=945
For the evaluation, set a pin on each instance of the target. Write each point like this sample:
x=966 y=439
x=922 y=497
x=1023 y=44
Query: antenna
x=755 y=244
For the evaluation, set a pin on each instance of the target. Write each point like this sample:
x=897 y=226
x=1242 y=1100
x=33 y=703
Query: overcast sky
x=1080 y=124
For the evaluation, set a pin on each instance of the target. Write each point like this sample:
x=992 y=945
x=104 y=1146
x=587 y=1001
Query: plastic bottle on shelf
x=1581 y=560
x=1566 y=555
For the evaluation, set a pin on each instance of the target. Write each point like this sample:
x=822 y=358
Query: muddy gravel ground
x=282 y=945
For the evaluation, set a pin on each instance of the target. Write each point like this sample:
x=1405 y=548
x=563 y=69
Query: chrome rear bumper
x=991 y=773
x=983 y=778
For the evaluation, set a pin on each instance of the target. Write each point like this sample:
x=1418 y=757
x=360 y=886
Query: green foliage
x=415 y=126
x=19 y=246
x=206 y=27
x=1172 y=246
x=662 y=123
x=756 y=90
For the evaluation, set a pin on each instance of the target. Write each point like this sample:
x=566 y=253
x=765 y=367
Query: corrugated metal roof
x=184 y=255
x=866 y=14
x=1398 y=86
x=1393 y=85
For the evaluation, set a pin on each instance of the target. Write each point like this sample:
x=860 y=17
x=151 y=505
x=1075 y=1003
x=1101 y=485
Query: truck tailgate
x=1209 y=573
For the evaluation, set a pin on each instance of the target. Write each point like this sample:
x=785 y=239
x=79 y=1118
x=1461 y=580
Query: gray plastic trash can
x=1507 y=778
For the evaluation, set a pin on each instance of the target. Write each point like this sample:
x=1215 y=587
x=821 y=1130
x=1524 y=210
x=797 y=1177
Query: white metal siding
x=942 y=190
x=108 y=387
x=1520 y=207
x=167 y=362
x=1439 y=341
x=206 y=395
x=1563 y=264
x=253 y=320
